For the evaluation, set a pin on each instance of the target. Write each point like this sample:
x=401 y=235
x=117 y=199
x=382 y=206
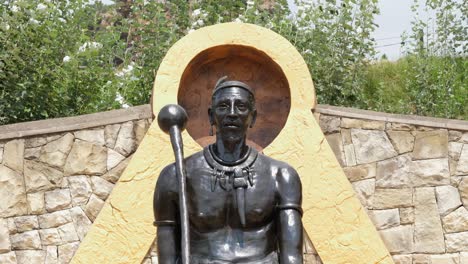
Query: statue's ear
x=210 y=116
x=254 y=118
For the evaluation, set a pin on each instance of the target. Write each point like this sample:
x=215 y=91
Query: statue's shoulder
x=276 y=165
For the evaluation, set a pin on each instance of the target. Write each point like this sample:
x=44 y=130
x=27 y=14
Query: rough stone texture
x=463 y=188
x=12 y=194
x=464 y=138
x=26 y=240
x=462 y=167
x=8 y=258
x=360 y=172
x=140 y=128
x=428 y=233
x=81 y=222
x=5 y=245
x=454 y=150
x=51 y=254
x=457 y=242
x=456 y=221
x=57 y=200
x=67 y=233
x=464 y=258
x=336 y=143
x=101 y=187
x=13 y=154
x=394 y=172
x=80 y=189
x=398 y=239
x=86 y=158
x=30 y=256
x=111 y=132
x=364 y=190
x=454 y=135
x=11 y=225
x=1 y=154
x=445 y=259
x=40 y=177
x=113 y=158
x=350 y=156
x=91 y=135
x=36 y=203
x=448 y=199
x=93 y=207
x=54 y=219
x=392 y=198
x=114 y=174
x=50 y=237
x=403 y=141
x=384 y=219
x=406 y=215
x=26 y=223
x=402 y=259
x=362 y=124
x=431 y=145
x=371 y=145
x=330 y=124
x=32 y=153
x=432 y=172
x=125 y=143
x=55 y=152
x=66 y=252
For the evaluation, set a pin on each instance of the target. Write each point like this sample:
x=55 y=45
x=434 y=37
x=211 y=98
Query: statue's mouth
x=231 y=125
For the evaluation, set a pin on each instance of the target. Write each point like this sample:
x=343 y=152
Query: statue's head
x=232 y=109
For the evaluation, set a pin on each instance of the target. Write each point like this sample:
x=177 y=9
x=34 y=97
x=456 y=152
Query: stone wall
x=410 y=173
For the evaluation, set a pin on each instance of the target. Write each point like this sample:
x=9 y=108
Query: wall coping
x=57 y=125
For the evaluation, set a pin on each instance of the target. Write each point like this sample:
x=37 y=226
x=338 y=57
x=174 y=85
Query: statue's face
x=232 y=112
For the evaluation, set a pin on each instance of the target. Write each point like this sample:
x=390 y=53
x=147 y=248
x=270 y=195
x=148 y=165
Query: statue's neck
x=230 y=150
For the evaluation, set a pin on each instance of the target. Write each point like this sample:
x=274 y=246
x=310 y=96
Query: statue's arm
x=166 y=217
x=289 y=216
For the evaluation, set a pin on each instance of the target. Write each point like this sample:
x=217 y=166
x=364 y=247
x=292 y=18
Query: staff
x=172 y=119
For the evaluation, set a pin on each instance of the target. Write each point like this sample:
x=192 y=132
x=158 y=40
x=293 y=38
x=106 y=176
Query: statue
x=242 y=206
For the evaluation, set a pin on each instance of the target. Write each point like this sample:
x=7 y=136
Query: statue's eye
x=242 y=107
x=223 y=106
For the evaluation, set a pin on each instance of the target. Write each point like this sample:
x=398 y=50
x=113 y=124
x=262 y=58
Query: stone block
x=428 y=233
x=101 y=187
x=12 y=194
x=8 y=258
x=11 y=225
x=66 y=252
x=362 y=124
x=36 y=203
x=113 y=158
x=54 y=219
x=371 y=145
x=1 y=154
x=30 y=256
x=67 y=233
x=464 y=138
x=114 y=174
x=462 y=166
x=454 y=150
x=394 y=172
x=26 y=240
x=456 y=221
x=91 y=135
x=80 y=189
x=360 y=172
x=421 y=259
x=5 y=245
x=13 y=154
x=463 y=189
x=431 y=145
x=398 y=239
x=403 y=141
x=402 y=259
x=40 y=177
x=392 y=198
x=93 y=207
x=336 y=144
x=445 y=259
x=463 y=257
x=350 y=156
x=50 y=237
x=448 y=199
x=384 y=219
x=456 y=242
x=56 y=152
x=140 y=128
x=329 y=124
x=57 y=200
x=26 y=223
x=32 y=153
x=86 y=158
x=364 y=190
x=81 y=222
x=34 y=142
x=111 y=132
x=434 y=172
x=51 y=255
x=346 y=136
x=126 y=143
x=454 y=135
x=407 y=215
x=402 y=127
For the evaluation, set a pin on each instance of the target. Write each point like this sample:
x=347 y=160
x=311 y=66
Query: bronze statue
x=242 y=206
